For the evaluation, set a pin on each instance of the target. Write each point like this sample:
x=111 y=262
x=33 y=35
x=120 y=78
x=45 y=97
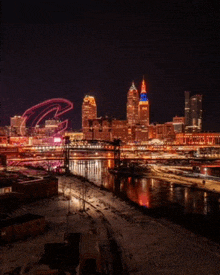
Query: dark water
x=195 y=209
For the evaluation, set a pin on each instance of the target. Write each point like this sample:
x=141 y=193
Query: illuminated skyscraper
x=89 y=110
x=187 y=108
x=132 y=105
x=193 y=113
x=196 y=113
x=143 y=106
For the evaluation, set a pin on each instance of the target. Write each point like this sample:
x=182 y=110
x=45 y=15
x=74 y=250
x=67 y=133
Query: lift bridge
x=85 y=147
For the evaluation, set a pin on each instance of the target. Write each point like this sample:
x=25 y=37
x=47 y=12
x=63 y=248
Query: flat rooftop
x=19 y=220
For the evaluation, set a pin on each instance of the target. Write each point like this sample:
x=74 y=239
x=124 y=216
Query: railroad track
x=101 y=208
x=110 y=250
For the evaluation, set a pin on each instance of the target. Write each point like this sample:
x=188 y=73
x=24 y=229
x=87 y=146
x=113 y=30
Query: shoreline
x=156 y=245
x=197 y=183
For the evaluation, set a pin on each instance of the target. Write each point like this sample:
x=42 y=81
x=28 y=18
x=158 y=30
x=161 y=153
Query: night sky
x=69 y=49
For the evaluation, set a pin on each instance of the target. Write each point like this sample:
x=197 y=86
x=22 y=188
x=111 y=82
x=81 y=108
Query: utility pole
x=68 y=210
x=116 y=144
x=69 y=201
x=66 y=155
x=84 y=187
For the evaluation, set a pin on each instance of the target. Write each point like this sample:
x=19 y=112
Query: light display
x=38 y=112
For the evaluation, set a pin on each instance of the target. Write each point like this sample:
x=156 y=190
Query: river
x=194 y=209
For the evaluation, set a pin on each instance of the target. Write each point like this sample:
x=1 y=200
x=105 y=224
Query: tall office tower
x=89 y=110
x=187 y=108
x=143 y=106
x=196 y=113
x=132 y=105
x=193 y=113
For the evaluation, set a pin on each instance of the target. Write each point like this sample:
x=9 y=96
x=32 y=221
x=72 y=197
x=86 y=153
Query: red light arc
x=36 y=113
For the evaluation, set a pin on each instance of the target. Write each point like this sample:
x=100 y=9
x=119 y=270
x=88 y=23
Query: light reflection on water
x=147 y=192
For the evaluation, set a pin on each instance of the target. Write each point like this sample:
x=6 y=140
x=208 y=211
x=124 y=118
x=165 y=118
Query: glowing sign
x=38 y=112
x=57 y=139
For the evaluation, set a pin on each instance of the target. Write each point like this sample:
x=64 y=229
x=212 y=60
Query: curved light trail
x=37 y=114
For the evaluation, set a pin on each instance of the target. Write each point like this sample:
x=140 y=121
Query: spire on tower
x=133 y=86
x=143 y=94
x=143 y=86
x=143 y=106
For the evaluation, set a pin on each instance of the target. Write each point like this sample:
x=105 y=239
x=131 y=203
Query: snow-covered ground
x=147 y=245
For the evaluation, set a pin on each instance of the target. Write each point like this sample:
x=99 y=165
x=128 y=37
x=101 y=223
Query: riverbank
x=159 y=172
x=144 y=244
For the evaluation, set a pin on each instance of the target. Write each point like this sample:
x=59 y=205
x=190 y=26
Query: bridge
x=83 y=145
x=94 y=149
x=84 y=149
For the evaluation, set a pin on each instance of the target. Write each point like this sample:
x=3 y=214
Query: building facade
x=178 y=124
x=17 y=126
x=106 y=129
x=120 y=130
x=51 y=126
x=74 y=136
x=198 y=139
x=193 y=113
x=132 y=105
x=89 y=109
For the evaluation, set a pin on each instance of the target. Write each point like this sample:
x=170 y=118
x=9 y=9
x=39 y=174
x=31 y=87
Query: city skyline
x=99 y=48
x=110 y=137
x=133 y=95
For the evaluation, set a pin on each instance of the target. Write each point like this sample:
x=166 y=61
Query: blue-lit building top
x=143 y=94
x=143 y=97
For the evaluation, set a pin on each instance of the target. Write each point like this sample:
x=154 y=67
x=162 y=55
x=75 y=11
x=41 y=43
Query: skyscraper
x=193 y=113
x=89 y=110
x=187 y=108
x=143 y=106
x=132 y=105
